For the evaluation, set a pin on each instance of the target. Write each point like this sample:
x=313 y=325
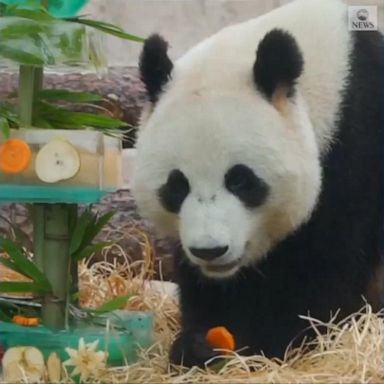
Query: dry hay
x=350 y=351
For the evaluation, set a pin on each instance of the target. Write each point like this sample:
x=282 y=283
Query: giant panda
x=261 y=151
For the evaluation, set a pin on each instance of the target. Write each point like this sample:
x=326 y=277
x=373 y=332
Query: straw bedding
x=351 y=351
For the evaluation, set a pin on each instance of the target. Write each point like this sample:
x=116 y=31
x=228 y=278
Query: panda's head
x=226 y=159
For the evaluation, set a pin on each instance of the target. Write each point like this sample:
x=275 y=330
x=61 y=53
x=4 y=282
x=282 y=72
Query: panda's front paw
x=191 y=349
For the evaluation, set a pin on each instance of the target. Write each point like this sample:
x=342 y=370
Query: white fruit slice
x=12 y=355
x=57 y=160
x=54 y=368
x=23 y=363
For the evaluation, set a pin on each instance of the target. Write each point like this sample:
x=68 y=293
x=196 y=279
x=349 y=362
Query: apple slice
x=57 y=160
x=23 y=363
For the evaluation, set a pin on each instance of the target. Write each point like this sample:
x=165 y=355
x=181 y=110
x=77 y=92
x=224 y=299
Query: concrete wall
x=182 y=22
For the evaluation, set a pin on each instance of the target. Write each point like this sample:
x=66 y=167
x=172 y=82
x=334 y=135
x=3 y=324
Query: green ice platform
x=129 y=331
x=50 y=194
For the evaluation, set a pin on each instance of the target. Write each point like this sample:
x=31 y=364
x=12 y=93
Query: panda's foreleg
x=204 y=304
x=191 y=348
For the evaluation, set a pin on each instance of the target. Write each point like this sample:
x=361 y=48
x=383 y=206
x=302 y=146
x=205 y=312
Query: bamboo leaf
x=84 y=241
x=49 y=57
x=87 y=120
x=16 y=28
x=89 y=250
x=33 y=14
x=20 y=56
x=72 y=219
x=42 y=123
x=4 y=317
x=87 y=228
x=6 y=111
x=11 y=265
x=4 y=127
x=98 y=225
x=16 y=286
x=107 y=28
x=63 y=118
x=75 y=296
x=112 y=305
x=79 y=231
x=22 y=237
x=94 y=226
x=67 y=95
x=27 y=267
x=25 y=4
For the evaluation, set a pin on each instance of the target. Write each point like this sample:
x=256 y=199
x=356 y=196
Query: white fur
x=212 y=117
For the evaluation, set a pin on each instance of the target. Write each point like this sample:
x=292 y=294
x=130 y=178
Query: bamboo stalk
x=50 y=221
x=26 y=94
x=74 y=288
x=38 y=209
x=56 y=264
x=38 y=79
x=30 y=80
x=38 y=234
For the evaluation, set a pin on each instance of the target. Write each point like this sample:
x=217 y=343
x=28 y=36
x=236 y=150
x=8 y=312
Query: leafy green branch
x=84 y=232
x=19 y=262
x=53 y=110
x=32 y=36
x=41 y=14
x=106 y=28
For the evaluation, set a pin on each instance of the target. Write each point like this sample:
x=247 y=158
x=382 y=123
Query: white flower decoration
x=88 y=362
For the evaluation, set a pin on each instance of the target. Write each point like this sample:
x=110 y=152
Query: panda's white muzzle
x=212 y=234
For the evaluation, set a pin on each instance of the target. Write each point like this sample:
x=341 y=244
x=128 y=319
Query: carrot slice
x=221 y=338
x=26 y=321
x=15 y=156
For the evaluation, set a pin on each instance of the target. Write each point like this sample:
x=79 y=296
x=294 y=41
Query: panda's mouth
x=221 y=268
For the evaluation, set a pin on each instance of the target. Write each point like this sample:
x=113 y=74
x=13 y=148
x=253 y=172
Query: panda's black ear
x=278 y=64
x=155 y=66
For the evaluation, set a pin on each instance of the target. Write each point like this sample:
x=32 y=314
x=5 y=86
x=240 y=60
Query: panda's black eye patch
x=242 y=182
x=174 y=191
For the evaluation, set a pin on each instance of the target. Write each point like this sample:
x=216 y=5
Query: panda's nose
x=208 y=254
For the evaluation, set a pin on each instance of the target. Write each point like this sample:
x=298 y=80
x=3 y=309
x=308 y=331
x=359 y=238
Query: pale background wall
x=182 y=22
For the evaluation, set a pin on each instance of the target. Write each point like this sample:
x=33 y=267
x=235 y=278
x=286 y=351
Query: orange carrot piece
x=33 y=322
x=221 y=338
x=15 y=156
x=26 y=321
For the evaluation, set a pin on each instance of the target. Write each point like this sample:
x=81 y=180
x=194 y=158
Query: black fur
x=174 y=191
x=155 y=66
x=279 y=62
x=329 y=263
x=249 y=188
